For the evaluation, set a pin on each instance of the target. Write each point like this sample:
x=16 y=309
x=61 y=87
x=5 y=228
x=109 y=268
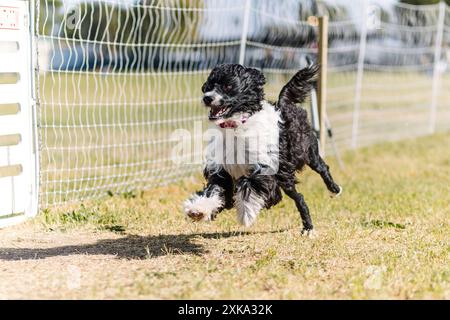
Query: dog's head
x=231 y=91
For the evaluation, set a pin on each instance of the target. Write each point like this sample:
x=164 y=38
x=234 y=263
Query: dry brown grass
x=387 y=237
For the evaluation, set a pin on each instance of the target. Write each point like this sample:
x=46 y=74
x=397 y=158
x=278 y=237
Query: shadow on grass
x=129 y=247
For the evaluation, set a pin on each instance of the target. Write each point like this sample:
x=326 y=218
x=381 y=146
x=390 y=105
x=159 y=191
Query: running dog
x=260 y=145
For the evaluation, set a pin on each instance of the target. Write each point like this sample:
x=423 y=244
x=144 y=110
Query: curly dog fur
x=284 y=144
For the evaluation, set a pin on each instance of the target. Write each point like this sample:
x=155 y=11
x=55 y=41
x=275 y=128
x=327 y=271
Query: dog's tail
x=299 y=87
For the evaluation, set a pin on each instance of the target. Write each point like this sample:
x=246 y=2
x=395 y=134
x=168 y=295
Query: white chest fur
x=254 y=142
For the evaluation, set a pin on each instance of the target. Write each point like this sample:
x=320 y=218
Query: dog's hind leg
x=302 y=207
x=316 y=163
x=216 y=196
x=254 y=193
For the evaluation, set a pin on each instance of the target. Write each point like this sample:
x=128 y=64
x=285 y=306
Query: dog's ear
x=256 y=76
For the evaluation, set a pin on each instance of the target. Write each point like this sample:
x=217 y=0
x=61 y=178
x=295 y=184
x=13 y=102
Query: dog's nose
x=207 y=100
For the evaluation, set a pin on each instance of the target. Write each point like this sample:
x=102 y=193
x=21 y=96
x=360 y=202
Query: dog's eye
x=227 y=88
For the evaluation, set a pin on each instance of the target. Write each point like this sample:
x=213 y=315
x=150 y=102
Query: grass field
x=386 y=237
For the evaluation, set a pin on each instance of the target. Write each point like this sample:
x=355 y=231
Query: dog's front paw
x=202 y=208
x=195 y=215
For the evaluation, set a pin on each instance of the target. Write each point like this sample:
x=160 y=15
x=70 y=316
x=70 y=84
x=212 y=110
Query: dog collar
x=234 y=123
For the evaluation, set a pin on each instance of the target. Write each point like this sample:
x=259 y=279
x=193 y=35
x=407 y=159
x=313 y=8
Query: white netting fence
x=116 y=78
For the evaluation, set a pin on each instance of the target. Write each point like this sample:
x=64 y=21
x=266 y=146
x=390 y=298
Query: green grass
x=386 y=237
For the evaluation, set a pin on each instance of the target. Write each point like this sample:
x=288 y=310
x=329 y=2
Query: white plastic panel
x=18 y=183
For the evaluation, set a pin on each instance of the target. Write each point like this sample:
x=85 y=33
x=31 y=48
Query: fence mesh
x=116 y=78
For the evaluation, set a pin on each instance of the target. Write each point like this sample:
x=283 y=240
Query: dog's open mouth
x=217 y=112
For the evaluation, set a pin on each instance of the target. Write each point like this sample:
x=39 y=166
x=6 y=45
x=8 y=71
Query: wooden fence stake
x=322 y=81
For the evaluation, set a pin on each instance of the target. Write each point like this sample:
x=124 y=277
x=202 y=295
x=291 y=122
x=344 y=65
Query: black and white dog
x=260 y=145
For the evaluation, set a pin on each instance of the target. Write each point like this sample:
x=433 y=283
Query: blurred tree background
x=423 y=2
x=283 y=34
x=148 y=33
x=144 y=21
x=101 y=32
x=49 y=14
